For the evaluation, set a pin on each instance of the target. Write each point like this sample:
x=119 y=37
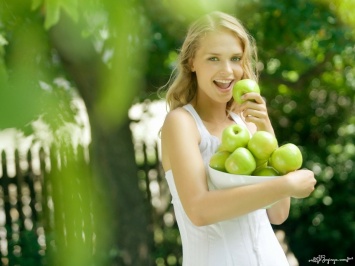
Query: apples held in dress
x=240 y=162
x=233 y=137
x=286 y=158
x=262 y=144
x=258 y=155
x=265 y=171
x=218 y=160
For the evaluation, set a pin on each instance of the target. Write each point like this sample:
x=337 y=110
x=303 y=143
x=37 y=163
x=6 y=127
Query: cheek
x=202 y=82
x=202 y=75
x=239 y=72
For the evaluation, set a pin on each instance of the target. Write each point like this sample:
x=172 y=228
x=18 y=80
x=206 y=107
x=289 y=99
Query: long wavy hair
x=182 y=86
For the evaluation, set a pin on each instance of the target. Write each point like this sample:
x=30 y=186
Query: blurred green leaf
x=36 y=4
x=52 y=9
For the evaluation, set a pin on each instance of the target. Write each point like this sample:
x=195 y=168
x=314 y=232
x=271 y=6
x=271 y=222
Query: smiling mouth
x=223 y=84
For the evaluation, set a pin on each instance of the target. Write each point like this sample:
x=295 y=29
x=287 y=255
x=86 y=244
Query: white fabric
x=248 y=240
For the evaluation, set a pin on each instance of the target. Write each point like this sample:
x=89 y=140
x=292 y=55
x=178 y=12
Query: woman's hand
x=301 y=183
x=254 y=111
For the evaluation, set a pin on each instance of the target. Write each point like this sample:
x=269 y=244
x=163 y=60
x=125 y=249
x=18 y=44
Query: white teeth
x=223 y=81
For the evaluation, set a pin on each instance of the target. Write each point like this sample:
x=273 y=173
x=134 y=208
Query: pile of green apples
x=257 y=155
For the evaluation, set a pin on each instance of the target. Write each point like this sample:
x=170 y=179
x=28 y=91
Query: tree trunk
x=127 y=226
x=124 y=233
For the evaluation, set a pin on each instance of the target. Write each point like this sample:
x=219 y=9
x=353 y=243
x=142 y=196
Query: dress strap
x=201 y=127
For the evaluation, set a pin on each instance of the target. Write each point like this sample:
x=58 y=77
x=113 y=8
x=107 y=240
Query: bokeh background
x=80 y=176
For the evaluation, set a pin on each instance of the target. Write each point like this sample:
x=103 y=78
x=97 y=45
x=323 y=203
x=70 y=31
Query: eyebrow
x=216 y=54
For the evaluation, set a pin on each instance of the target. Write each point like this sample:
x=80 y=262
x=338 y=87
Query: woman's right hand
x=301 y=183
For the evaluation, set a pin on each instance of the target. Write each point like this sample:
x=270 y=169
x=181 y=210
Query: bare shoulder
x=179 y=118
x=179 y=132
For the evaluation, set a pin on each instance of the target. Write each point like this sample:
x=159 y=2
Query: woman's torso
x=246 y=240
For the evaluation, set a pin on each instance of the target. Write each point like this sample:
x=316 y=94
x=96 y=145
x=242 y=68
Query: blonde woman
x=221 y=227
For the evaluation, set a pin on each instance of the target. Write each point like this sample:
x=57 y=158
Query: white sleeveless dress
x=248 y=240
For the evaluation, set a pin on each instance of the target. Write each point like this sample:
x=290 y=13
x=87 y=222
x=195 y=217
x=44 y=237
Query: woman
x=221 y=227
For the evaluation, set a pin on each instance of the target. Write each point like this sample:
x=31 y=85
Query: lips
x=223 y=84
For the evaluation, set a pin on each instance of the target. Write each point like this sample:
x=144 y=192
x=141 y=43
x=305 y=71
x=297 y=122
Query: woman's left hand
x=254 y=111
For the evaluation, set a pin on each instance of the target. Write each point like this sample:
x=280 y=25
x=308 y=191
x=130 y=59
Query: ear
x=191 y=64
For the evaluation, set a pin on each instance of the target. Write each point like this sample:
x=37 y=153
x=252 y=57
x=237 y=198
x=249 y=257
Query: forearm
x=220 y=205
x=278 y=212
x=214 y=206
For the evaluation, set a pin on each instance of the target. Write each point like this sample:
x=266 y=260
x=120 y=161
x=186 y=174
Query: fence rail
x=35 y=223
x=22 y=214
x=38 y=188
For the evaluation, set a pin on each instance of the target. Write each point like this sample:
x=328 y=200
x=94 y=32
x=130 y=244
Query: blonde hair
x=182 y=86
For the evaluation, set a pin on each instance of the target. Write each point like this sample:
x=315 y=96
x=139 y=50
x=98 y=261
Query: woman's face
x=217 y=64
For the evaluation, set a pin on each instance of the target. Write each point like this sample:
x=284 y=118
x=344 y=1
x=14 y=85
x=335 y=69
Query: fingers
x=261 y=114
x=303 y=183
x=253 y=97
x=253 y=102
x=254 y=111
x=259 y=118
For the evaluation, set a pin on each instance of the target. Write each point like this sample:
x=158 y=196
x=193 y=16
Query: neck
x=211 y=112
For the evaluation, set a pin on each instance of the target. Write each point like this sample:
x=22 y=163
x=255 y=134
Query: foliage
x=306 y=58
x=29 y=254
x=96 y=52
x=307 y=62
x=30 y=71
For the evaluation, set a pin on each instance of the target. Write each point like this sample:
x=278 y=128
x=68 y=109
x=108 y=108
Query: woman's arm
x=278 y=212
x=180 y=140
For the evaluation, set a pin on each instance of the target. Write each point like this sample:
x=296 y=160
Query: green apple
x=262 y=144
x=240 y=162
x=218 y=160
x=261 y=162
x=286 y=158
x=234 y=136
x=265 y=171
x=244 y=86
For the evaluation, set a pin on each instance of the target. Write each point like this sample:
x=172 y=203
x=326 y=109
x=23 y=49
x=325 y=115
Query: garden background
x=81 y=182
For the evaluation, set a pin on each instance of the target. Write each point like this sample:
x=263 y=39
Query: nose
x=226 y=67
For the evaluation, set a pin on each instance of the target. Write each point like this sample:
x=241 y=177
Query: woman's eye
x=237 y=58
x=213 y=59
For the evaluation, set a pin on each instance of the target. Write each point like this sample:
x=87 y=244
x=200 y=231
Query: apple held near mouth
x=240 y=162
x=218 y=160
x=262 y=144
x=244 y=86
x=286 y=158
x=234 y=136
